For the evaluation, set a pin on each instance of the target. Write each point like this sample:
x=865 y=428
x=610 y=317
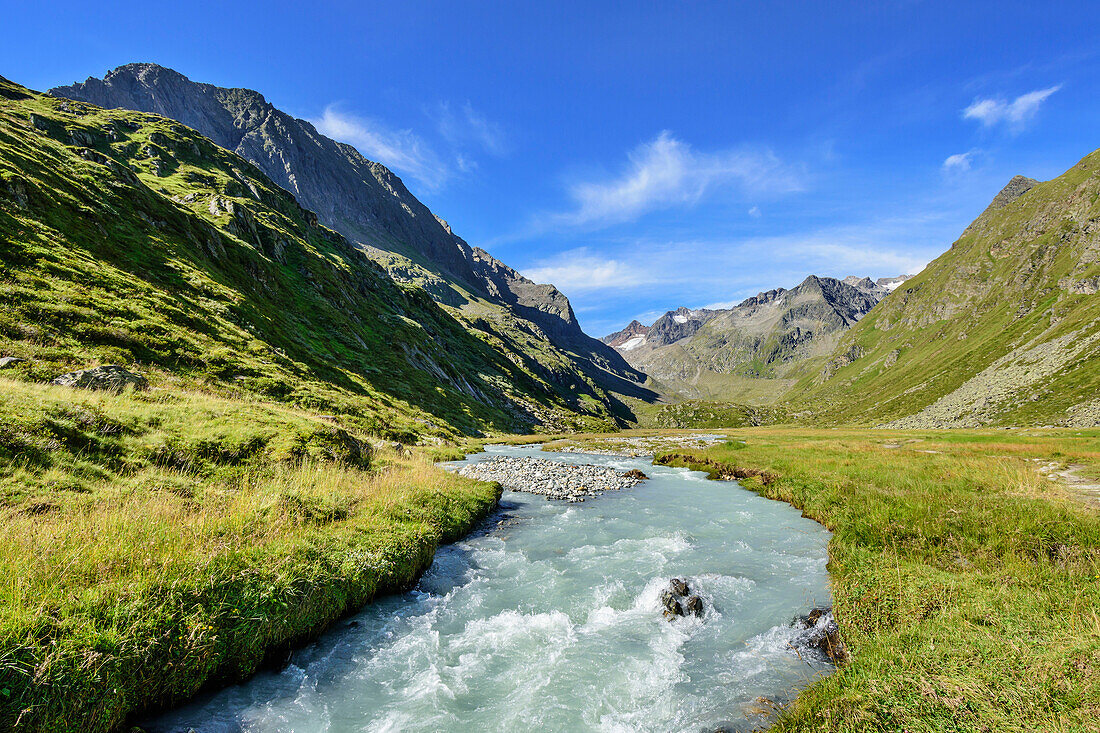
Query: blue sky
x=644 y=156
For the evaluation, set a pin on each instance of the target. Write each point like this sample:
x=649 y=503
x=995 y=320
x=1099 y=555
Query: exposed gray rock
x=854 y=352
x=110 y=377
x=1014 y=189
x=617 y=339
x=8 y=361
x=671 y=604
x=821 y=632
x=678 y=600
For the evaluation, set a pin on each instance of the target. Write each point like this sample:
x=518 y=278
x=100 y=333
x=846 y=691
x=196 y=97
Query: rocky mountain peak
x=891 y=283
x=863 y=283
x=766 y=336
x=1017 y=187
x=634 y=334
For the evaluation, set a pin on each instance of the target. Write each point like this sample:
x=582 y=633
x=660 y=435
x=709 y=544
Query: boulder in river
x=821 y=632
x=671 y=605
x=672 y=596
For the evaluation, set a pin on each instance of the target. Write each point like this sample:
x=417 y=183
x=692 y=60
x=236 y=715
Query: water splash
x=553 y=622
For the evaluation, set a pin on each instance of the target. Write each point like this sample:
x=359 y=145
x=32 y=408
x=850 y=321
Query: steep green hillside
x=129 y=238
x=528 y=323
x=1004 y=328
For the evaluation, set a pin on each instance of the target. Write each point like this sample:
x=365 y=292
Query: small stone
x=694 y=606
x=679 y=587
x=8 y=361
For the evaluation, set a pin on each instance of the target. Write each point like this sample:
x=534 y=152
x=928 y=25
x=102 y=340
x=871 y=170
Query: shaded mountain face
x=129 y=238
x=754 y=350
x=368 y=204
x=1003 y=328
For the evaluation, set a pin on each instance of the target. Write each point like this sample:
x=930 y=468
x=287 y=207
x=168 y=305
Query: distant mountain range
x=754 y=350
x=1002 y=329
x=530 y=323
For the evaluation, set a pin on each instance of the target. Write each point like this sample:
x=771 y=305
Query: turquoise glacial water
x=549 y=619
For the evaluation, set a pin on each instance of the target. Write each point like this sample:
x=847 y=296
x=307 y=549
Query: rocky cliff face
x=361 y=199
x=769 y=336
x=368 y=204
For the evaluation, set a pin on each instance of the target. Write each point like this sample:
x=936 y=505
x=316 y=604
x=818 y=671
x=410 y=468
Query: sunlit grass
x=967 y=585
x=150 y=545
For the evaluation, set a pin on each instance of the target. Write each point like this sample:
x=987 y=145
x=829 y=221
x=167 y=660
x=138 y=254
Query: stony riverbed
x=552 y=479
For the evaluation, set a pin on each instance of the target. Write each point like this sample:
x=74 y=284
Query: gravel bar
x=551 y=479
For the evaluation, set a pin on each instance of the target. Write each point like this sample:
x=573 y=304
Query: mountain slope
x=1003 y=328
x=531 y=323
x=129 y=238
x=754 y=351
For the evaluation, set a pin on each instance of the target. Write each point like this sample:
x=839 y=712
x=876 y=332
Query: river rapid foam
x=550 y=618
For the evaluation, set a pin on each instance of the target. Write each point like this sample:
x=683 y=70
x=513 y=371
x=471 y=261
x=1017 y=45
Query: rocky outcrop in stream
x=552 y=479
x=678 y=600
x=821 y=632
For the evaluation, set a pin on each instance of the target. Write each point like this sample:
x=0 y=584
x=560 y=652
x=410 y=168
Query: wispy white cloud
x=719 y=273
x=959 y=162
x=855 y=257
x=722 y=305
x=580 y=270
x=465 y=126
x=754 y=212
x=667 y=172
x=402 y=150
x=1017 y=113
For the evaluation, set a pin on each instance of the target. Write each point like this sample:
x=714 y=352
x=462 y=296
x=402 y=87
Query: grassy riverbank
x=154 y=544
x=967 y=585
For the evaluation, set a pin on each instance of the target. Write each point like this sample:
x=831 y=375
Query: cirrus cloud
x=464 y=125
x=667 y=172
x=581 y=270
x=1017 y=113
x=959 y=162
x=402 y=150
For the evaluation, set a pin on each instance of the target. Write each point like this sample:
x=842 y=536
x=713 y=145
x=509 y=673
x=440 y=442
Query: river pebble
x=552 y=479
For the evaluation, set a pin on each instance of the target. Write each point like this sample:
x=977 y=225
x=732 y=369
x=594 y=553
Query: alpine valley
x=233 y=352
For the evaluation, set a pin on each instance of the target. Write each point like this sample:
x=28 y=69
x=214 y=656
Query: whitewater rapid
x=549 y=619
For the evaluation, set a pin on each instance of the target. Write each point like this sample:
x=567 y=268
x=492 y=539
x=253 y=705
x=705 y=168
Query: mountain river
x=549 y=618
